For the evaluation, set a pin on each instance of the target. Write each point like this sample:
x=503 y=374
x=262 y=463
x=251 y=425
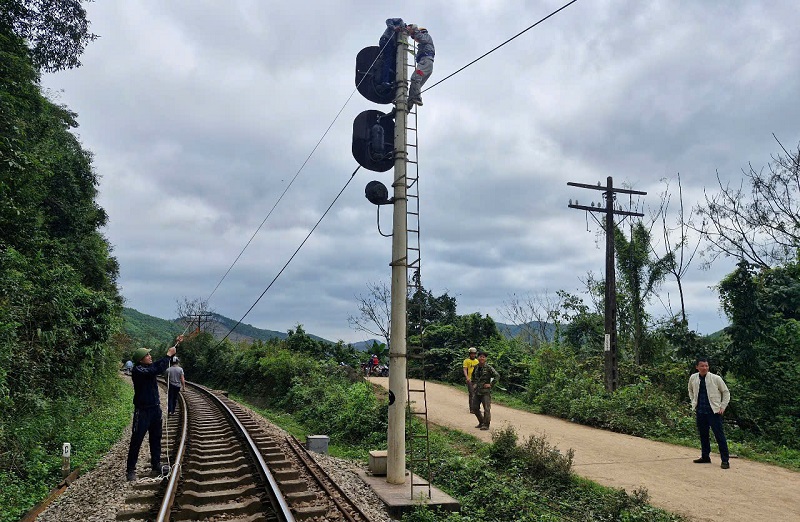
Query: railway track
x=226 y=467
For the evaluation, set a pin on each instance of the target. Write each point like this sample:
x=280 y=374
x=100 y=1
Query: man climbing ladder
x=424 y=58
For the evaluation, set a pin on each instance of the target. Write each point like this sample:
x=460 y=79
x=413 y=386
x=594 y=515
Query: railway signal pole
x=396 y=436
x=610 y=341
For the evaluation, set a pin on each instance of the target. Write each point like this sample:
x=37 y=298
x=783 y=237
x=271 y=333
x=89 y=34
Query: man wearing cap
x=424 y=57
x=147 y=407
x=177 y=382
x=485 y=377
x=469 y=365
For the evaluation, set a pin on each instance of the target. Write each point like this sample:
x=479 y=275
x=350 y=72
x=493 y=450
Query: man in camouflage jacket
x=484 y=378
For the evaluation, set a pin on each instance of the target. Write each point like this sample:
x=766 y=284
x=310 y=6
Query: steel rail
x=276 y=497
x=175 y=473
x=315 y=470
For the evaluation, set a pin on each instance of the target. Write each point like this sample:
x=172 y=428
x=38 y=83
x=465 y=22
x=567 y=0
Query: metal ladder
x=418 y=444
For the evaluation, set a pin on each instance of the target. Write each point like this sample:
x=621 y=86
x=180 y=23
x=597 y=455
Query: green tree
x=424 y=309
x=57 y=30
x=59 y=303
x=640 y=276
x=763 y=306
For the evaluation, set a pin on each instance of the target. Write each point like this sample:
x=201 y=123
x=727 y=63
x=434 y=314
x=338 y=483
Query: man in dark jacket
x=484 y=378
x=147 y=407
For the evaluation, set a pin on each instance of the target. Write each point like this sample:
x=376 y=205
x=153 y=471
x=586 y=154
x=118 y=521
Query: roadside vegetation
x=63 y=334
x=59 y=303
x=509 y=479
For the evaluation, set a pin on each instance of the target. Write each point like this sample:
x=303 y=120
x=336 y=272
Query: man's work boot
x=130 y=476
x=702 y=460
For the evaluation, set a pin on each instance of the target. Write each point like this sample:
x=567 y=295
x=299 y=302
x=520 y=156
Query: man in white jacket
x=710 y=396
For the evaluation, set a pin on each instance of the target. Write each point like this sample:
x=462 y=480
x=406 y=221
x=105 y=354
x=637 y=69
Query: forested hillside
x=150 y=331
x=146 y=330
x=59 y=303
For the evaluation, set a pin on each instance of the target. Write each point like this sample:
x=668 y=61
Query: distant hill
x=151 y=331
x=147 y=330
x=510 y=331
x=365 y=346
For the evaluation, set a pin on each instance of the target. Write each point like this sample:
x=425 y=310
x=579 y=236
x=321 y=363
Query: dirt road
x=748 y=491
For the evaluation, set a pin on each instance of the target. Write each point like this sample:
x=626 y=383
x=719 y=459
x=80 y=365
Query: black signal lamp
x=377 y=193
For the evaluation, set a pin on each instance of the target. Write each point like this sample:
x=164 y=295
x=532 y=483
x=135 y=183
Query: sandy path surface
x=748 y=491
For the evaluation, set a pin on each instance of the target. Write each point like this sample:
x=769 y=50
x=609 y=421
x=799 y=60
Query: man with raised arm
x=147 y=407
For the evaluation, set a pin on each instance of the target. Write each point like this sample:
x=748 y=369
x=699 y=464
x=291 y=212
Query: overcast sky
x=200 y=113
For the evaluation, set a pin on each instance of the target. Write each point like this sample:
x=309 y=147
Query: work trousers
x=388 y=59
x=172 y=397
x=420 y=76
x=145 y=420
x=471 y=392
x=713 y=421
x=484 y=400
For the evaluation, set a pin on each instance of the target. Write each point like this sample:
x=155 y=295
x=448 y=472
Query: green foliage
x=90 y=426
x=424 y=309
x=57 y=30
x=347 y=411
x=763 y=351
x=535 y=457
x=146 y=330
x=59 y=304
x=323 y=395
x=446 y=345
x=640 y=276
x=505 y=482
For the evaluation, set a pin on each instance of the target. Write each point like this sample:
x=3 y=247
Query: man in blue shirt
x=710 y=396
x=147 y=407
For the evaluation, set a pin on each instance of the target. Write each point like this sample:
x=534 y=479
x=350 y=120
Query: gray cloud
x=200 y=114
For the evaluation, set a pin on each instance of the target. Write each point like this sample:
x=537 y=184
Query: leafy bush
x=91 y=427
x=535 y=456
x=346 y=411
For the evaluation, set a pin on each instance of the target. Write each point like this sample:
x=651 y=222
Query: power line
x=296 y=174
x=502 y=44
x=291 y=258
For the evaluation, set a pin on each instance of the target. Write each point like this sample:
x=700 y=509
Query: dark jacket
x=145 y=386
x=484 y=375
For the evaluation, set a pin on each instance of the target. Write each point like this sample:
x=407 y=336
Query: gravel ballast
x=98 y=494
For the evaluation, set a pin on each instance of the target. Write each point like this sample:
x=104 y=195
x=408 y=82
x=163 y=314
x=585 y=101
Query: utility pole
x=610 y=342
x=396 y=436
x=200 y=318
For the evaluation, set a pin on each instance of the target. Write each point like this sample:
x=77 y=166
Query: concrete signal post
x=396 y=437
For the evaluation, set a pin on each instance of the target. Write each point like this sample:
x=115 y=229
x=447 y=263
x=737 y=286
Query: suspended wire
x=354 y=172
x=501 y=45
x=298 y=172
x=291 y=258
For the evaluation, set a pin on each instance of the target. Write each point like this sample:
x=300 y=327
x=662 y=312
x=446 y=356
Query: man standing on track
x=484 y=377
x=176 y=383
x=710 y=396
x=469 y=365
x=147 y=407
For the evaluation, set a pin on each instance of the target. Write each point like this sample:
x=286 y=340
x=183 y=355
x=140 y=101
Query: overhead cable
x=295 y=176
x=502 y=44
x=291 y=258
